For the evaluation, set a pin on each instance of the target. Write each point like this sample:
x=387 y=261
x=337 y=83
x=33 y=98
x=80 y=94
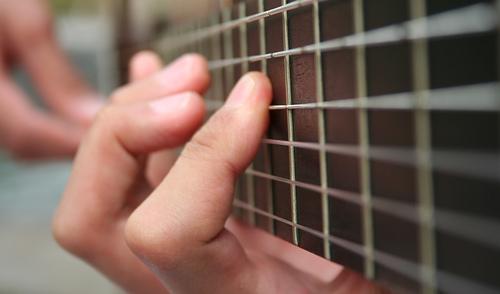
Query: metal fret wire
x=449 y=282
x=469 y=20
x=321 y=135
x=293 y=189
x=422 y=141
x=244 y=68
x=266 y=148
x=217 y=51
x=475 y=228
x=365 y=179
x=228 y=50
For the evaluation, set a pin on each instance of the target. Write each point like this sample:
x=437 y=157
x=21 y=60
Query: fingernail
x=242 y=92
x=171 y=104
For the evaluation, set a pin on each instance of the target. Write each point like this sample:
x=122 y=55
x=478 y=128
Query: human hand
x=27 y=40
x=112 y=213
x=90 y=220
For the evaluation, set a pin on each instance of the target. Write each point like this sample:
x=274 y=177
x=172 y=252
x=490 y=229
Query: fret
x=236 y=34
x=253 y=37
x=363 y=139
x=262 y=35
x=240 y=11
x=216 y=42
x=264 y=195
x=306 y=127
x=422 y=140
x=228 y=53
x=279 y=155
x=389 y=70
x=266 y=149
x=237 y=47
x=291 y=154
x=243 y=37
x=325 y=213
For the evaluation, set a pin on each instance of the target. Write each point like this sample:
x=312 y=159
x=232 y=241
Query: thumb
x=184 y=218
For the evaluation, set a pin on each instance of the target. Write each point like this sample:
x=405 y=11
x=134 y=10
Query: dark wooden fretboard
x=383 y=152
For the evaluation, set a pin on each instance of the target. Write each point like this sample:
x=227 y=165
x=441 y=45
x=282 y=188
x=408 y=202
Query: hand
x=29 y=41
x=116 y=219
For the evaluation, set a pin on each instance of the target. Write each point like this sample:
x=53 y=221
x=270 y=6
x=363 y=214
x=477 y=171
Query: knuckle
x=166 y=244
x=144 y=241
x=72 y=235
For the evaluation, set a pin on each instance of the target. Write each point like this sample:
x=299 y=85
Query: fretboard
x=383 y=152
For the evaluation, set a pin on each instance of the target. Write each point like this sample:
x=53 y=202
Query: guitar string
x=481 y=229
x=474 y=19
x=448 y=282
x=486 y=99
x=476 y=164
x=198 y=35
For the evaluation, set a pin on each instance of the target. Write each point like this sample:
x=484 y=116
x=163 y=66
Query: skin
x=159 y=230
x=29 y=42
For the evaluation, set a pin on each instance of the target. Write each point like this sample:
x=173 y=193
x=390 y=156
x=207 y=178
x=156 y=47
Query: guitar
x=383 y=152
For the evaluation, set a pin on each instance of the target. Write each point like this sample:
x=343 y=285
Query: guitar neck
x=384 y=144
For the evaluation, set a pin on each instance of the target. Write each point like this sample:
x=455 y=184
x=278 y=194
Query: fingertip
x=179 y=115
x=190 y=72
x=196 y=59
x=264 y=84
x=253 y=87
x=200 y=74
x=144 y=64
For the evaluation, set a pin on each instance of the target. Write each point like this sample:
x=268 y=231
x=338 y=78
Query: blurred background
x=90 y=31
x=30 y=261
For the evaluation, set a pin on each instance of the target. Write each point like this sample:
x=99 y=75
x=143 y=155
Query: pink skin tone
x=154 y=222
x=29 y=42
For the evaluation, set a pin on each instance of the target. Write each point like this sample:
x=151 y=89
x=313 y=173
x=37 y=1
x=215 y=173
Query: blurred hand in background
x=27 y=40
